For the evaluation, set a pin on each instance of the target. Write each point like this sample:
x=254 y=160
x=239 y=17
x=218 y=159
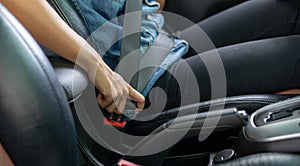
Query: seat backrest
x=36 y=124
x=68 y=11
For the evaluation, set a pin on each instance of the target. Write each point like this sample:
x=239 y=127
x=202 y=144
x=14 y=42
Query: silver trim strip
x=281 y=130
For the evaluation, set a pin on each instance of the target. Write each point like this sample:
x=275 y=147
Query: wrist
x=91 y=61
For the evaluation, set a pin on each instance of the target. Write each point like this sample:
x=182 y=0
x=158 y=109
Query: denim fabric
x=104 y=21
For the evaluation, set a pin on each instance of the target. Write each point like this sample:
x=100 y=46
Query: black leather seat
x=36 y=126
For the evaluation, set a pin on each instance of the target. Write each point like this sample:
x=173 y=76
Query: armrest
x=72 y=78
x=207 y=122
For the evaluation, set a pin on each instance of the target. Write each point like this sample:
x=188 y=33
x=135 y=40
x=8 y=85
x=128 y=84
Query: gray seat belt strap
x=131 y=40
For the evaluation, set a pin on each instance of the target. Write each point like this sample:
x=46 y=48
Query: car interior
x=43 y=100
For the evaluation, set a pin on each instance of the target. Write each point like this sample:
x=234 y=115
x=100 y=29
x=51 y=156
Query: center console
x=274 y=128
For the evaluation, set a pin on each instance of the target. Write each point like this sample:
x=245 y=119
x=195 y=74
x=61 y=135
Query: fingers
x=104 y=102
x=114 y=100
x=117 y=105
x=136 y=96
x=121 y=105
x=114 y=105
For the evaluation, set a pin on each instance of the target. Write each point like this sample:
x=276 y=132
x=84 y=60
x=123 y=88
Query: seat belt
x=130 y=48
x=131 y=40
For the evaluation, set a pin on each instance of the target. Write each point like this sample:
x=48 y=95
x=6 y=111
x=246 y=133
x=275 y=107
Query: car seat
x=36 y=126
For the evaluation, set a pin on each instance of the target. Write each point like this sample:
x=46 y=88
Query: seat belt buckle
x=117 y=123
x=120 y=120
x=123 y=162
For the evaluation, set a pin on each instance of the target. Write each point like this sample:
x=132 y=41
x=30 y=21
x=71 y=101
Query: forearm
x=51 y=31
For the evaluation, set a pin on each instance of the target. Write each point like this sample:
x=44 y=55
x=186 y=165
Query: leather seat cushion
x=72 y=78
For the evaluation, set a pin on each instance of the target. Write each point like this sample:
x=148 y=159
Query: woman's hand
x=114 y=91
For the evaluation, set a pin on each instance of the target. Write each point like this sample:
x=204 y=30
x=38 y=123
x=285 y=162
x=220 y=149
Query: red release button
x=114 y=123
x=126 y=163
